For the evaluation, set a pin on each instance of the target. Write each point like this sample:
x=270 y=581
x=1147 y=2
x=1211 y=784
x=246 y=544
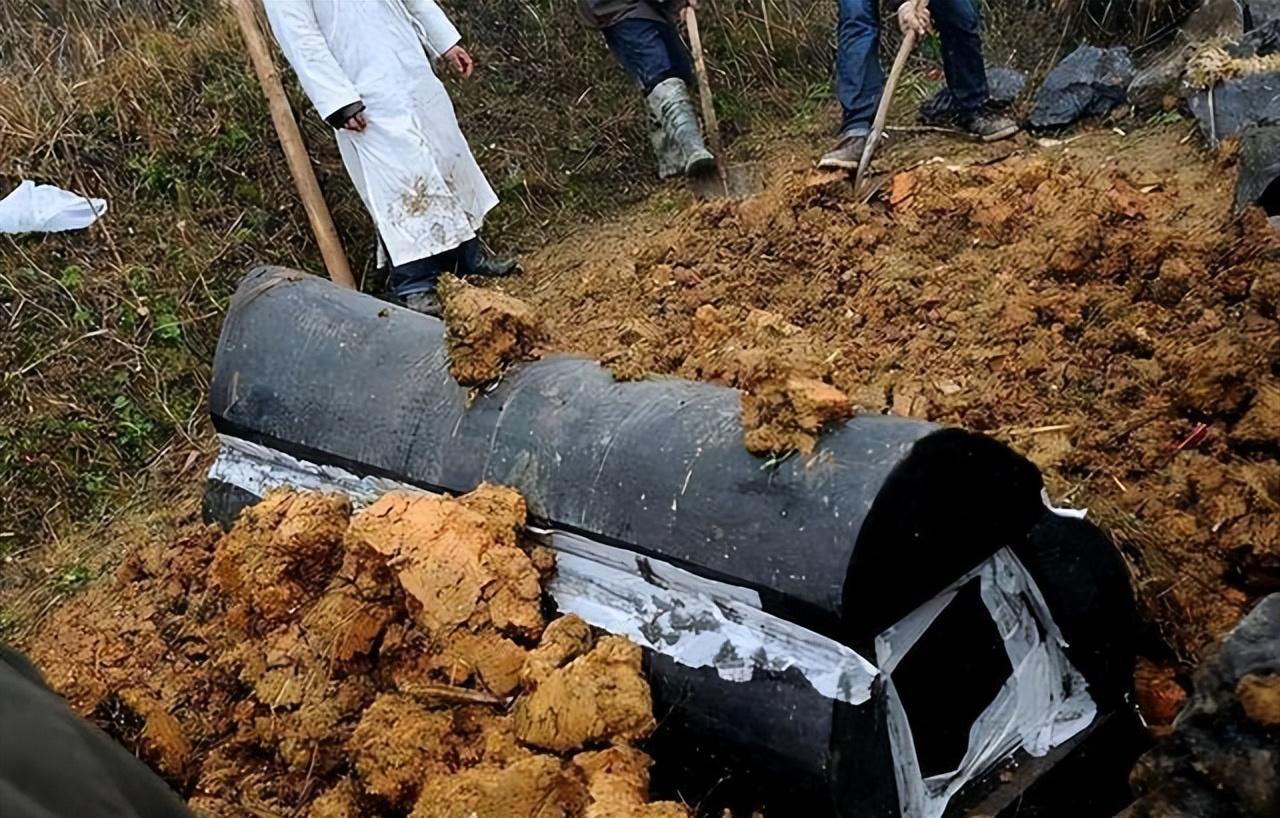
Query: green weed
x=1165 y=118
x=72 y=579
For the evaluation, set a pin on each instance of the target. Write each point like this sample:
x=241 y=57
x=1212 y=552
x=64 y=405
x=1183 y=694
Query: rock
x=1261 y=12
x=1216 y=18
x=1223 y=756
x=1243 y=81
x=1091 y=81
x=1004 y=84
x=1258 y=169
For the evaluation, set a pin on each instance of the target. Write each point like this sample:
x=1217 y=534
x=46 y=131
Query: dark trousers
x=420 y=276
x=860 y=79
x=650 y=51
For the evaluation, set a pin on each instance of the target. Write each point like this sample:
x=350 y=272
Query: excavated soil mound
x=1094 y=304
x=395 y=663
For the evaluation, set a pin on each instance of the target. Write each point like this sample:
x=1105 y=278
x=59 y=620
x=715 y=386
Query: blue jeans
x=649 y=51
x=860 y=79
x=421 y=276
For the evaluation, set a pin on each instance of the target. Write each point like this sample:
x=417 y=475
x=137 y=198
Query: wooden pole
x=709 y=119
x=882 y=111
x=295 y=150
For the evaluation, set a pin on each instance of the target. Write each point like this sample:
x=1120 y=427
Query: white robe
x=411 y=166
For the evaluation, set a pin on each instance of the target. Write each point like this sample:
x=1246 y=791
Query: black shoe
x=987 y=126
x=427 y=303
x=845 y=155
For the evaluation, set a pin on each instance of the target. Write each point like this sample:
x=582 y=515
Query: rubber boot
x=478 y=261
x=672 y=106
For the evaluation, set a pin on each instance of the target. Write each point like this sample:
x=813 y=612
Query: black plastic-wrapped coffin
x=886 y=513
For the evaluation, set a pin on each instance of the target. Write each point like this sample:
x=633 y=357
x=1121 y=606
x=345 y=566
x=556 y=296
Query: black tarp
x=1089 y=81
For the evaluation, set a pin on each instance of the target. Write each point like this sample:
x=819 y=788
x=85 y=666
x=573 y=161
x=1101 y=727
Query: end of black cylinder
x=954 y=501
x=1085 y=582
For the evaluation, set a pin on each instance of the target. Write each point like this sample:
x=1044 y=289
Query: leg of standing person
x=640 y=47
x=414 y=284
x=859 y=79
x=959 y=24
x=652 y=54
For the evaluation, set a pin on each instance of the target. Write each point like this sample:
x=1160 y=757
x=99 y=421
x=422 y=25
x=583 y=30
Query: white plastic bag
x=33 y=208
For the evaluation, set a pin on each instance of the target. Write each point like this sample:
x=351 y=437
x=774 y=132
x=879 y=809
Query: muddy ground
x=1091 y=300
x=395 y=662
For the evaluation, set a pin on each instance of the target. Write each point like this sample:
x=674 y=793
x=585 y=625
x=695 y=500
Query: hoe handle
x=709 y=119
x=295 y=150
x=882 y=110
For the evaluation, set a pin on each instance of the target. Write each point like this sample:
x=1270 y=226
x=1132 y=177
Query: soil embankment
x=397 y=662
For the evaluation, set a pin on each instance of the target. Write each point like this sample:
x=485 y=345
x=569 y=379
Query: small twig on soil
x=36 y=363
x=1213 y=118
x=1039 y=430
x=922 y=129
x=449 y=694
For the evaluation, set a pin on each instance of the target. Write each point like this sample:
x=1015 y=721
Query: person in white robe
x=362 y=64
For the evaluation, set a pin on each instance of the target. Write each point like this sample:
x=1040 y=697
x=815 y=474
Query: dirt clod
x=598 y=698
x=1260 y=697
x=618 y=783
x=788 y=416
x=487 y=331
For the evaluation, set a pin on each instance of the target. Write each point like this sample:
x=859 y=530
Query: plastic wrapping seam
x=1043 y=703
x=697 y=622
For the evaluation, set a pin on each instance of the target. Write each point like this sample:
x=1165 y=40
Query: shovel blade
x=729 y=182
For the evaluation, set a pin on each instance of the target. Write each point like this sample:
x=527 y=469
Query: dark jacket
x=604 y=13
x=54 y=764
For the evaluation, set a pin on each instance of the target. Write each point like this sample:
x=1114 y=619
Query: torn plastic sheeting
x=33 y=208
x=258 y=469
x=1042 y=705
x=695 y=621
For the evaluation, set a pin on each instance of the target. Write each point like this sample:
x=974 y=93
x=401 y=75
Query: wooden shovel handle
x=882 y=110
x=709 y=120
x=295 y=151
